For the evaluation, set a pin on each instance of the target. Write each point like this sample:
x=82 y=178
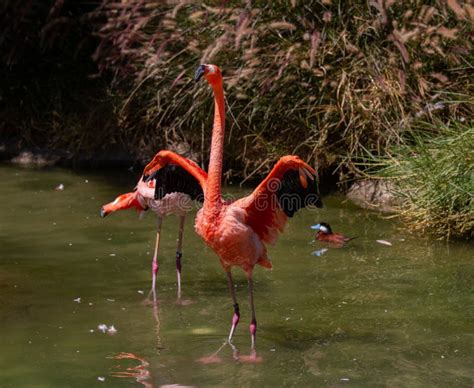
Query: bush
x=324 y=79
x=433 y=176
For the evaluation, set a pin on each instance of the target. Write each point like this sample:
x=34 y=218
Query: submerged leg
x=236 y=316
x=154 y=263
x=252 y=357
x=178 y=253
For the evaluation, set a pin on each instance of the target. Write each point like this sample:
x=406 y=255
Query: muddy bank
x=13 y=152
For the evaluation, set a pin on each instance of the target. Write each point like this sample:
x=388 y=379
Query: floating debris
x=344 y=379
x=319 y=252
x=141 y=292
x=103 y=327
x=100 y=378
x=59 y=187
x=111 y=330
x=77 y=300
x=113 y=254
x=384 y=242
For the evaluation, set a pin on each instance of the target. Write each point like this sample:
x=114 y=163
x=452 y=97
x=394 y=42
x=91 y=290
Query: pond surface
x=364 y=315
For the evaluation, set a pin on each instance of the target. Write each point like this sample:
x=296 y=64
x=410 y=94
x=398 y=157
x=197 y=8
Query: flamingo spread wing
x=167 y=173
x=167 y=159
x=174 y=179
x=290 y=186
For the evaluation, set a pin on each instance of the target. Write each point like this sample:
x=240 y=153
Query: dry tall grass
x=327 y=79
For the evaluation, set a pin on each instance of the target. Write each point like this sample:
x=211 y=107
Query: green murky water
x=364 y=315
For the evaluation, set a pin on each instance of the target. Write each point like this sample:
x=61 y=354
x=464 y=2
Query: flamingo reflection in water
x=140 y=372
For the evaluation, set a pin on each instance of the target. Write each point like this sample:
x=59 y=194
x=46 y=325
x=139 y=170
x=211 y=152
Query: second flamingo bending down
x=238 y=231
x=183 y=180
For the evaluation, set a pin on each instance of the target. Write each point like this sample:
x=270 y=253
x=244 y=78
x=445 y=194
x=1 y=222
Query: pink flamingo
x=238 y=231
x=181 y=186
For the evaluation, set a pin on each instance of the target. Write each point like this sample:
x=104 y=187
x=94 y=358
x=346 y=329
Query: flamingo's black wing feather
x=292 y=195
x=174 y=179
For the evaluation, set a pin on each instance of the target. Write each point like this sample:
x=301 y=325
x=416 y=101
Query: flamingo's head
x=124 y=201
x=212 y=73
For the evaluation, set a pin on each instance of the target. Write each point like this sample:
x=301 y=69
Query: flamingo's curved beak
x=103 y=212
x=199 y=72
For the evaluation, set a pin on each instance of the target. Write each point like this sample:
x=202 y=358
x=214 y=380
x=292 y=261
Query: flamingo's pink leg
x=252 y=357
x=154 y=263
x=253 y=323
x=236 y=316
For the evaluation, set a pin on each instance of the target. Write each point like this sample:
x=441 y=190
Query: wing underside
x=174 y=179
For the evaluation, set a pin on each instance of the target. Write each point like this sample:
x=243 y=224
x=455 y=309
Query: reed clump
x=433 y=177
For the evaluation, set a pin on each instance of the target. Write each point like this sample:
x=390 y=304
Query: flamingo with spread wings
x=183 y=180
x=238 y=231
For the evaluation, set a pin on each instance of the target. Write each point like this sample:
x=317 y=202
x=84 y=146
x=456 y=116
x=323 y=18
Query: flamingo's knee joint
x=179 y=255
x=253 y=326
x=236 y=317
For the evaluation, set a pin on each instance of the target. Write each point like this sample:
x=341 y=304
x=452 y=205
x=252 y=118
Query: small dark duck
x=326 y=234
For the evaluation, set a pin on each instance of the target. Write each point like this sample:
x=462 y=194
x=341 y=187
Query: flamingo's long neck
x=212 y=196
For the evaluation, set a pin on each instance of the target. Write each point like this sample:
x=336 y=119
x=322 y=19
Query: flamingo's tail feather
x=264 y=262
